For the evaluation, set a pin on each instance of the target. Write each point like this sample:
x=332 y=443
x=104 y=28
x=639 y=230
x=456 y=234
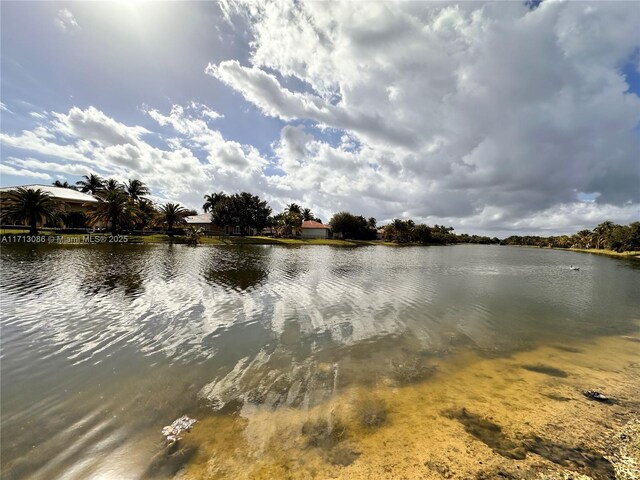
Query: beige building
x=70 y=201
x=313 y=229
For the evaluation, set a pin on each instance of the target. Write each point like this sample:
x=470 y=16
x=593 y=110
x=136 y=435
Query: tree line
x=606 y=236
x=124 y=206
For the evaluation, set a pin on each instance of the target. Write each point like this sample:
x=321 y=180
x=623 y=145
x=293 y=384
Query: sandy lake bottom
x=522 y=416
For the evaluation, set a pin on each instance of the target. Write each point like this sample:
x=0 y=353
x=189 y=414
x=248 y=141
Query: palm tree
x=146 y=211
x=583 y=239
x=64 y=184
x=136 y=189
x=294 y=208
x=307 y=215
x=30 y=205
x=602 y=233
x=91 y=184
x=112 y=185
x=210 y=201
x=114 y=207
x=171 y=214
x=193 y=235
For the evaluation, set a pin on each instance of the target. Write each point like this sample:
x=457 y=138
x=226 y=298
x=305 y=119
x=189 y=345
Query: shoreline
x=8 y=236
x=596 y=251
x=52 y=238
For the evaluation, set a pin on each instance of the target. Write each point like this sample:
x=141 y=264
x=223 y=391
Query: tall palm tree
x=307 y=215
x=64 y=184
x=146 y=212
x=583 y=239
x=91 y=184
x=112 y=185
x=136 y=189
x=210 y=201
x=30 y=205
x=171 y=214
x=294 y=208
x=114 y=207
x=602 y=233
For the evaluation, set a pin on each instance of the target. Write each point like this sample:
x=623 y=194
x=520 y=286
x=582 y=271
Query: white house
x=313 y=229
x=204 y=221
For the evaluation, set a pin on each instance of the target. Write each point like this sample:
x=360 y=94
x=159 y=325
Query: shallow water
x=306 y=359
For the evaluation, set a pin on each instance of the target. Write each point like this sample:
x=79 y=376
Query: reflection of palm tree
x=172 y=214
x=113 y=207
x=91 y=184
x=136 y=189
x=241 y=269
x=31 y=206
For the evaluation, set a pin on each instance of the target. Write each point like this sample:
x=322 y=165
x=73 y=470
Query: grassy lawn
x=611 y=253
x=163 y=238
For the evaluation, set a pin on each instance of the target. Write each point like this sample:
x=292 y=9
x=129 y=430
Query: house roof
x=314 y=224
x=202 y=218
x=56 y=192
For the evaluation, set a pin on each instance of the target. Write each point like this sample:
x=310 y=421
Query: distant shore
x=598 y=251
x=50 y=237
x=610 y=253
x=9 y=236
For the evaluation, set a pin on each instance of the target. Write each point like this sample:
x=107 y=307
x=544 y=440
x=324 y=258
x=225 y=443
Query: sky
x=495 y=118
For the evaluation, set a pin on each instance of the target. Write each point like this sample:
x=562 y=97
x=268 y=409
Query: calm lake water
x=104 y=345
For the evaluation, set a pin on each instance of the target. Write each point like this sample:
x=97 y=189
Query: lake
x=306 y=361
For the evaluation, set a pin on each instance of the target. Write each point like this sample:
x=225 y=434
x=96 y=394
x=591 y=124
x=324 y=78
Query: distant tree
x=114 y=207
x=30 y=206
x=136 y=189
x=422 y=233
x=371 y=223
x=191 y=212
x=399 y=230
x=170 y=215
x=211 y=201
x=91 y=184
x=242 y=210
x=347 y=225
x=607 y=235
x=583 y=239
x=288 y=224
x=64 y=184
